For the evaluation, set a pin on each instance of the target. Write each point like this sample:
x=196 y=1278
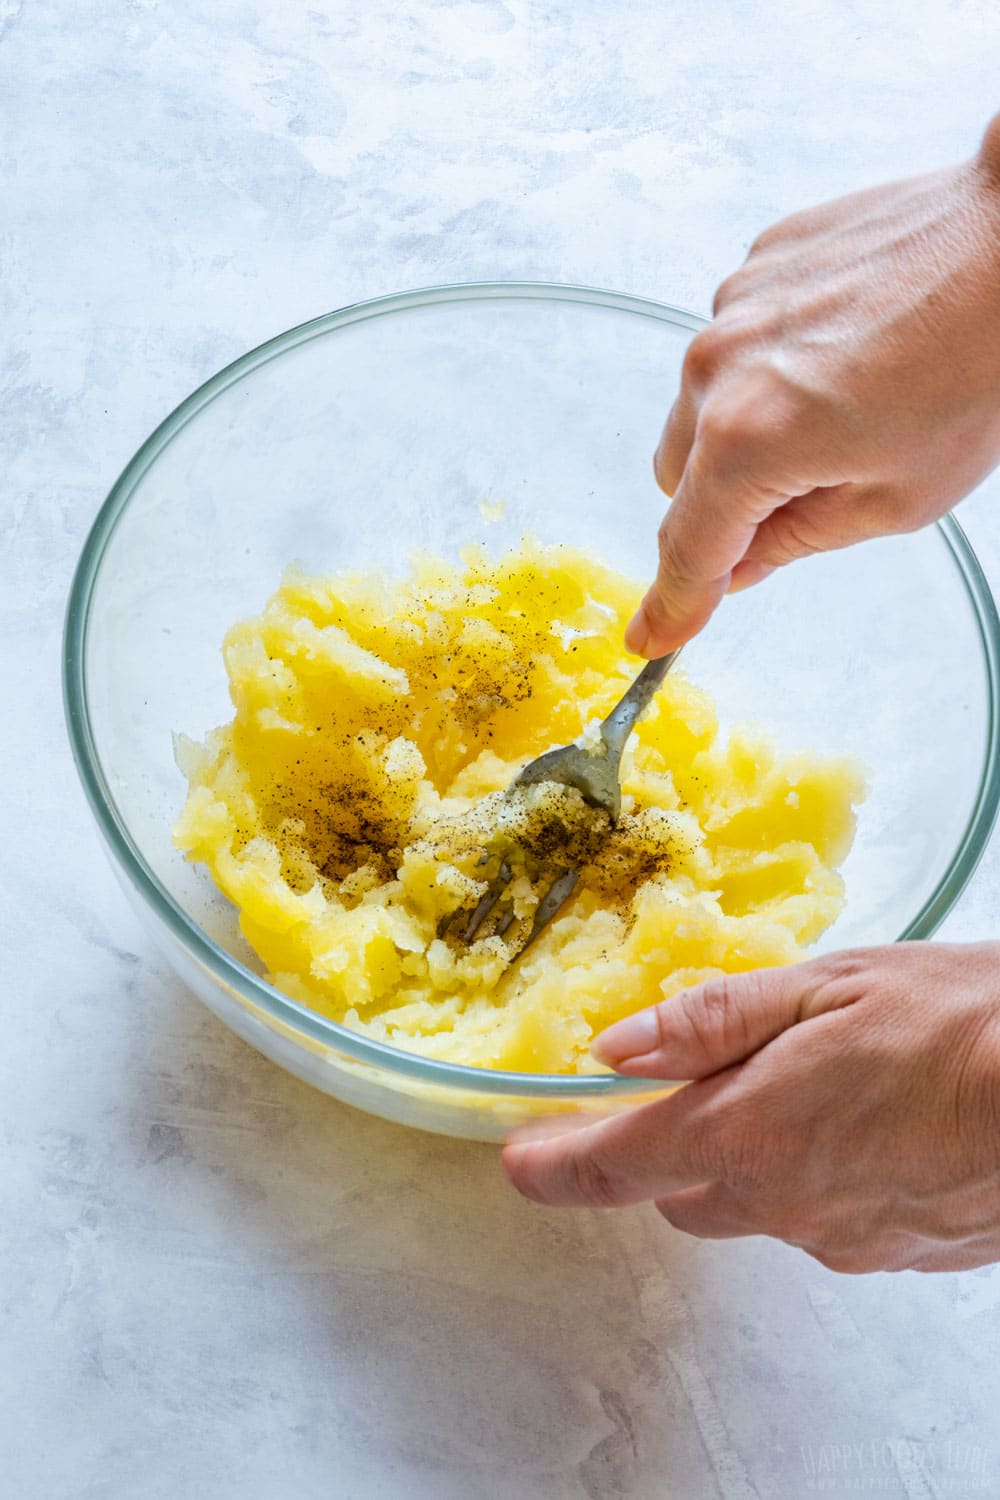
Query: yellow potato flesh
x=355 y=801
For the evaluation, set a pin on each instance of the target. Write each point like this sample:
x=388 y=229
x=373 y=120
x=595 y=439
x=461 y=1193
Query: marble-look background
x=216 y=1283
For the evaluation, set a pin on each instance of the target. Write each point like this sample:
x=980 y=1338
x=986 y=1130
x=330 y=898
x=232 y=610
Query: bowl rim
x=228 y=971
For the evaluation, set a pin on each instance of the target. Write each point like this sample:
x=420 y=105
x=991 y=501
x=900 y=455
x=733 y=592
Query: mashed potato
x=357 y=800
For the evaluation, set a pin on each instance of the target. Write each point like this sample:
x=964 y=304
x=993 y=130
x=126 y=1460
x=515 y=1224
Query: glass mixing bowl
x=384 y=426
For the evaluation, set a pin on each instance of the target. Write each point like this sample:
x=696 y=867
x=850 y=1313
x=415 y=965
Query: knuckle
x=727 y=291
x=730 y=431
x=717 y=1014
x=766 y=239
x=790 y=536
x=704 y=1216
x=847 y=1262
x=902 y=509
x=868 y=1245
x=674 y=446
x=796 y=1224
x=675 y=562
x=845 y=962
x=593 y=1183
x=728 y=1144
x=662 y=470
x=674 y=1213
x=701 y=1009
x=702 y=358
x=720 y=298
x=744 y=1156
x=839 y=979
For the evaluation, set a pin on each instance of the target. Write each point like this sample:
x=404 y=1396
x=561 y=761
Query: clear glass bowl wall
x=380 y=428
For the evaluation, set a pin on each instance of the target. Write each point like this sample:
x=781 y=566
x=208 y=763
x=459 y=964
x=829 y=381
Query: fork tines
x=488 y=902
x=554 y=897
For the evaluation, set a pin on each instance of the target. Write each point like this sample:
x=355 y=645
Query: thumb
x=724 y=1021
x=823 y=520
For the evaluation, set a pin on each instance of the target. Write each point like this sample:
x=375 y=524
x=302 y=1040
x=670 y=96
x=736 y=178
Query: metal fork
x=595 y=774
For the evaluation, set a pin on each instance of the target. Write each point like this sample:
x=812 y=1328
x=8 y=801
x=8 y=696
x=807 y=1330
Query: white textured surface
x=216 y=1283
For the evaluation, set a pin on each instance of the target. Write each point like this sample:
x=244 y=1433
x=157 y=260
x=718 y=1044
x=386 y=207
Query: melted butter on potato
x=357 y=799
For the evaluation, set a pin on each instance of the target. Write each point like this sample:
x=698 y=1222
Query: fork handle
x=620 y=722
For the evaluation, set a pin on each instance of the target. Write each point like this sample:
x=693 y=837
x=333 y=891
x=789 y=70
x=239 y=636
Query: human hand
x=847 y=388
x=849 y=1105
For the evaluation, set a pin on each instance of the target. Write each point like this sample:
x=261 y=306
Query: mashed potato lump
x=358 y=799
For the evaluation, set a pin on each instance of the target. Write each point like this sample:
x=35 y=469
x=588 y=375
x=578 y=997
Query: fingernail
x=637 y=632
x=633 y=1037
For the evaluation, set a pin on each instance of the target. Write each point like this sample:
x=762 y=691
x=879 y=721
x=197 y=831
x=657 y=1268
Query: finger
x=548 y=1125
x=648 y=1152
x=723 y=1021
x=746 y=574
x=823 y=520
x=892 y=1251
x=710 y=1211
x=675 y=444
x=705 y=533
x=957 y=1257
